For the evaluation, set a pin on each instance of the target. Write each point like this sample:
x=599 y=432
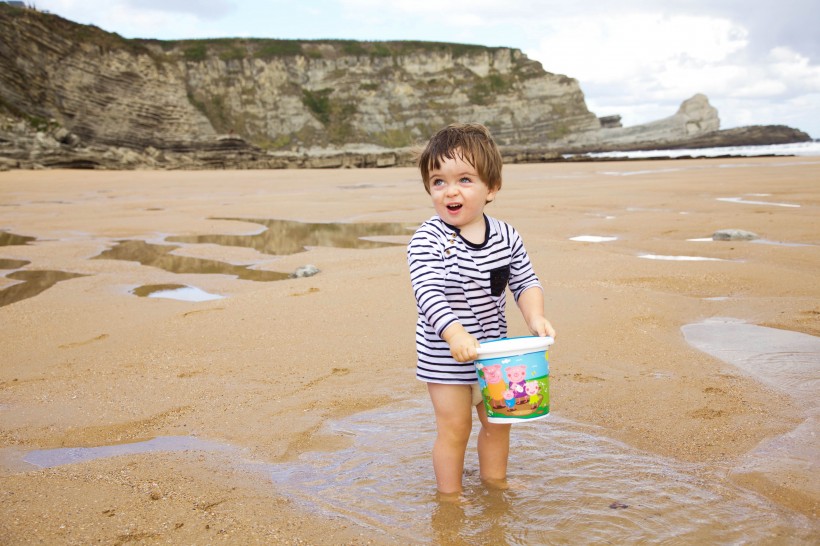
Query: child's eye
x=466 y=180
x=438 y=182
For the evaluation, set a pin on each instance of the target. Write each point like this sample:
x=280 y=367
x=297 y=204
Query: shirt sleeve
x=427 y=277
x=522 y=276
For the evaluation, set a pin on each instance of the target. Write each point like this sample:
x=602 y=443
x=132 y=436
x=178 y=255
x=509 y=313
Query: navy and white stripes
x=455 y=280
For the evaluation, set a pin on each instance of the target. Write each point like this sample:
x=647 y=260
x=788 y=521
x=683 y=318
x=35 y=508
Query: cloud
x=201 y=9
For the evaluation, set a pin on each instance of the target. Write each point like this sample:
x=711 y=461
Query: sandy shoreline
x=87 y=364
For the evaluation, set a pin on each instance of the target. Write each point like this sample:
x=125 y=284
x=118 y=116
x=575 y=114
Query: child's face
x=459 y=194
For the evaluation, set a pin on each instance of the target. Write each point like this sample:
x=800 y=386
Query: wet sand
x=87 y=363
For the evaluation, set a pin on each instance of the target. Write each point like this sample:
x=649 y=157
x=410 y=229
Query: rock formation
x=75 y=96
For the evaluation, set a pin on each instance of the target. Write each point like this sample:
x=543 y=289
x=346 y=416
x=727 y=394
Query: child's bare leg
x=493 y=448
x=453 y=407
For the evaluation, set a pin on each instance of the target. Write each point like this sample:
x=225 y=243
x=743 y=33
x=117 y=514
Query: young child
x=461 y=262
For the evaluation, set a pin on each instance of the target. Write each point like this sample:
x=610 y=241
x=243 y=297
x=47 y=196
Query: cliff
x=74 y=95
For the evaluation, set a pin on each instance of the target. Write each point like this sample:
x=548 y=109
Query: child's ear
x=491 y=196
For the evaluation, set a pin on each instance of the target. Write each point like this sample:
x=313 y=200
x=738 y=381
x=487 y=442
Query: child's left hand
x=540 y=326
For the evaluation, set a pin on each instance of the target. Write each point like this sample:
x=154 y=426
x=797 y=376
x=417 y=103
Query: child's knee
x=455 y=431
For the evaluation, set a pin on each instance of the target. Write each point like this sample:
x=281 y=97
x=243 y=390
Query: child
x=460 y=264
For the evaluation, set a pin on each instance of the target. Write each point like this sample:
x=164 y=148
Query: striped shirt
x=455 y=280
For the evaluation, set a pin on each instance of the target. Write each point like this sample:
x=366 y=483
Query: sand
x=86 y=363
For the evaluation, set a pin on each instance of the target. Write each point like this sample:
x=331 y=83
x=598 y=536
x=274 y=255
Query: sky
x=758 y=61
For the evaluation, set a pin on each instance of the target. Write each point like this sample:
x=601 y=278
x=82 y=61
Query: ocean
x=795 y=149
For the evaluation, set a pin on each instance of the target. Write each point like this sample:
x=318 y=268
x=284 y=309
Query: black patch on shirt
x=498 y=280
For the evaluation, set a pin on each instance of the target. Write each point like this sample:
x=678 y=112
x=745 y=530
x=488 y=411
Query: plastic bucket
x=514 y=377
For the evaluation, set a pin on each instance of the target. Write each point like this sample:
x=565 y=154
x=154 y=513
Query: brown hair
x=472 y=143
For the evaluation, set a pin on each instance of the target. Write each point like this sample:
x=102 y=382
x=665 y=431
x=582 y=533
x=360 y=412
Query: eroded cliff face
x=276 y=95
x=76 y=96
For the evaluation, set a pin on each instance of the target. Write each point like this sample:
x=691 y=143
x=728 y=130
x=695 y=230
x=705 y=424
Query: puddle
x=787 y=465
x=12 y=264
x=33 y=283
x=777 y=243
x=752 y=202
x=283 y=237
x=48 y=458
x=276 y=237
x=753 y=241
x=179 y=292
x=679 y=258
x=788 y=361
x=563 y=475
x=593 y=239
x=160 y=256
x=11 y=239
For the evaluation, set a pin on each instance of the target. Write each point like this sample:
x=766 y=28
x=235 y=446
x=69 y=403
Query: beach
x=260 y=378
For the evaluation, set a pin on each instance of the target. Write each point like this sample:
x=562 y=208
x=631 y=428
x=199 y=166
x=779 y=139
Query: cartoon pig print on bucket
x=513 y=375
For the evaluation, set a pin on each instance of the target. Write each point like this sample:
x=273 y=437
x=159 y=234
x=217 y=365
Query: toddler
x=461 y=262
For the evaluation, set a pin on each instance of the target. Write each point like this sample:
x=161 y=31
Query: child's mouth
x=453 y=207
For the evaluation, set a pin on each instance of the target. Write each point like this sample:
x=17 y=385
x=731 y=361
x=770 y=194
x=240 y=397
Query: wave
x=794 y=149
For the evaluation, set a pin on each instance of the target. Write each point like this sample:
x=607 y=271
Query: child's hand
x=462 y=344
x=540 y=326
x=531 y=303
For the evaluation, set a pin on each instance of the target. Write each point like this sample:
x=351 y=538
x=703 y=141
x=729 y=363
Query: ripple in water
x=568 y=485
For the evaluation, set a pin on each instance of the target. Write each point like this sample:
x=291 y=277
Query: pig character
x=509 y=399
x=495 y=385
x=533 y=391
x=518 y=378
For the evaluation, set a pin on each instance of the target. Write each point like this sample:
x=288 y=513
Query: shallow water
x=569 y=484
x=48 y=458
x=179 y=292
x=679 y=258
x=787 y=361
x=743 y=201
x=32 y=282
x=593 y=239
x=282 y=237
x=275 y=237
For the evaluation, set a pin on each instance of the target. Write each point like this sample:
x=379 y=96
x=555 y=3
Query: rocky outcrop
x=754 y=135
x=76 y=96
x=695 y=117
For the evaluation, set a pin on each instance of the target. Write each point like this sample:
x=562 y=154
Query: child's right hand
x=463 y=346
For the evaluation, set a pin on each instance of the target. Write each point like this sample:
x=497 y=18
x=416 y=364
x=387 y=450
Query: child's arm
x=531 y=304
x=462 y=344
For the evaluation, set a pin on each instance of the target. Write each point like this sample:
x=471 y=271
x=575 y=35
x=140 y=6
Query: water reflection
x=567 y=485
x=179 y=292
x=34 y=282
x=12 y=264
x=288 y=237
x=48 y=458
x=788 y=361
x=11 y=239
x=160 y=256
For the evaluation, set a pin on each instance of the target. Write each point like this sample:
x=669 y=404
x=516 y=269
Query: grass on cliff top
x=238 y=48
x=266 y=49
